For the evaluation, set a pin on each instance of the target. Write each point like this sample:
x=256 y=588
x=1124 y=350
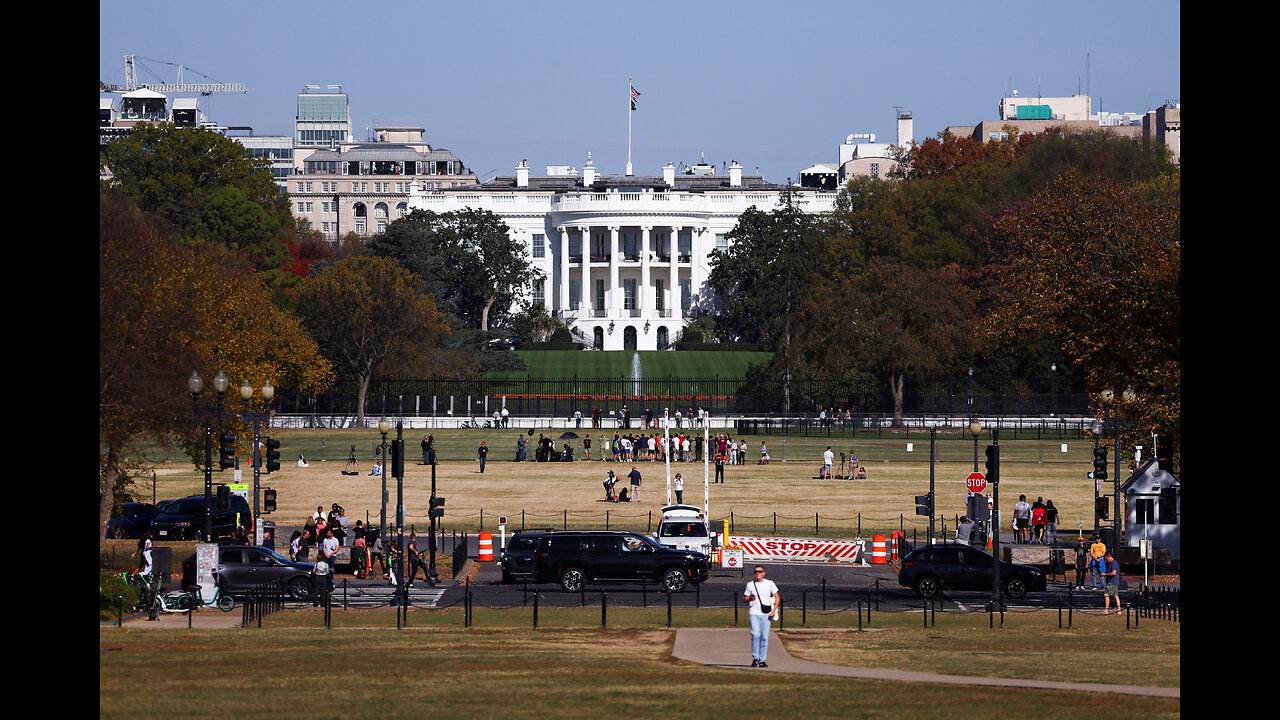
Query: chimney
x=669 y=174
x=905 y=138
x=522 y=174
x=588 y=173
x=735 y=175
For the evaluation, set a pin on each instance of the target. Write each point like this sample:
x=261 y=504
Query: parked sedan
x=243 y=567
x=930 y=570
x=131 y=519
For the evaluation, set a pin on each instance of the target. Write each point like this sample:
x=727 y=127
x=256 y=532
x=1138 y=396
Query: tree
x=466 y=259
x=366 y=311
x=1097 y=265
x=892 y=320
x=166 y=308
x=765 y=275
x=170 y=171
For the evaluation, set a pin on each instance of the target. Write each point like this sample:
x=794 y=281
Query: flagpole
x=630 y=102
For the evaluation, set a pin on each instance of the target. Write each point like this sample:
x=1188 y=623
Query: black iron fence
x=859 y=397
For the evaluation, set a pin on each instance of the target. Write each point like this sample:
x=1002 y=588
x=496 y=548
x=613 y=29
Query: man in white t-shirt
x=828 y=459
x=329 y=552
x=761 y=615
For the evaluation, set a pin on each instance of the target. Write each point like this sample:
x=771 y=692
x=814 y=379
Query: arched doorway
x=629 y=338
x=597 y=338
x=662 y=338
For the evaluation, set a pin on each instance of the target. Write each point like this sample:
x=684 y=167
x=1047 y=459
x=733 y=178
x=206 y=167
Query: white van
x=684 y=527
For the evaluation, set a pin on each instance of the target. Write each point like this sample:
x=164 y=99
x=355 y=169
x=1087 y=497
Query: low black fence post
x=535 y=611
x=735 y=609
x=804 y=607
x=604 y=610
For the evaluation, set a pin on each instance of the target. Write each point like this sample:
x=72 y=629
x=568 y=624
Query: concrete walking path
x=731 y=648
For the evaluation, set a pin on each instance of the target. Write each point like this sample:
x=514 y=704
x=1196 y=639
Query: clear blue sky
x=772 y=85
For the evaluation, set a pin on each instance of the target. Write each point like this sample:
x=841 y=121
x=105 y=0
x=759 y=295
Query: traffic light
x=1100 y=463
x=224 y=498
x=924 y=504
x=437 y=507
x=268 y=500
x=1101 y=508
x=397 y=458
x=273 y=454
x=993 y=464
x=226 y=450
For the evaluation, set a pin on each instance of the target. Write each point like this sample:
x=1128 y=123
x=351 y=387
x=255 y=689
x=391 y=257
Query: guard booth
x=1153 y=511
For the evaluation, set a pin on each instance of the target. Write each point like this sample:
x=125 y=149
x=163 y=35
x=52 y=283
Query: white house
x=624 y=259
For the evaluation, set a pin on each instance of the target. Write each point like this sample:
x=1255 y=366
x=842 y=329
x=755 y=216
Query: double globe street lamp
x=207 y=411
x=253 y=418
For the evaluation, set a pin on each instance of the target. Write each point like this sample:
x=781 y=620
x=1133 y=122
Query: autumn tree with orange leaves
x=166 y=308
x=1097 y=264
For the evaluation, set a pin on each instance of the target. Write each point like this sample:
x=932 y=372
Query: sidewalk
x=731 y=648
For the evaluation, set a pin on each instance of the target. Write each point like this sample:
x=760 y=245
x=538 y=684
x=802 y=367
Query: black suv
x=930 y=570
x=518 y=556
x=575 y=558
x=183 y=519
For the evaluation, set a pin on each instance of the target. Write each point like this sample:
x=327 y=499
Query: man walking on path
x=763 y=600
x=1022 y=520
x=483 y=452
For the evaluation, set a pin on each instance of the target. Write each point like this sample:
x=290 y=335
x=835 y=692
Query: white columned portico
x=615 y=302
x=643 y=300
x=564 y=273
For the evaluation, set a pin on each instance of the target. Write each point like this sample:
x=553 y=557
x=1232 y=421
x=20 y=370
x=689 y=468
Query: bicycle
x=474 y=424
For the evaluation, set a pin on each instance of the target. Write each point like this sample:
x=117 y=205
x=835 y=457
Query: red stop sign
x=976 y=482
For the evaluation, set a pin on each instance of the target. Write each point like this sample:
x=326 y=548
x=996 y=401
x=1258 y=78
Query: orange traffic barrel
x=486 y=547
x=878 y=550
x=894 y=548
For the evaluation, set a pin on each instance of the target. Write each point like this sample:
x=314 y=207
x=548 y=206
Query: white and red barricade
x=776 y=548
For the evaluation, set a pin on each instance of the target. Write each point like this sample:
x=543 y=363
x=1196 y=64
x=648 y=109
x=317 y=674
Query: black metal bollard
x=804 y=608
x=535 y=611
x=735 y=609
x=859 y=614
x=604 y=610
x=119 y=611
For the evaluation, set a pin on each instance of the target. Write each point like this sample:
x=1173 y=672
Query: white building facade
x=624 y=259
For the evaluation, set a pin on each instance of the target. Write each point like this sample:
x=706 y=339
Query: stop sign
x=976 y=482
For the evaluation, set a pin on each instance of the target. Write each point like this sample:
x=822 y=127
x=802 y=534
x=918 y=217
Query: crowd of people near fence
x=328 y=531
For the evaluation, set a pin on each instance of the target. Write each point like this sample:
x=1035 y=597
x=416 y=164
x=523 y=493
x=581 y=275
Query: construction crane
x=131 y=82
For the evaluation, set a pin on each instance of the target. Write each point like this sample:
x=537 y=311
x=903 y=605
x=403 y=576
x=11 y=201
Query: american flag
x=634 y=94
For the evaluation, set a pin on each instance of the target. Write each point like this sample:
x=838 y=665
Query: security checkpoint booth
x=1153 y=512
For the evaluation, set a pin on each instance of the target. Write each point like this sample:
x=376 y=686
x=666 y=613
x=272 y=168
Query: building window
x=359 y=227
x=722 y=243
x=597 y=338
x=309 y=207
x=629 y=245
x=324 y=227
x=539 y=245
x=875 y=170
x=599 y=298
x=540 y=292
x=402 y=209
x=1169 y=506
x=663 y=338
x=686 y=246
x=575 y=245
x=629 y=294
x=382 y=226
x=1144 y=512
x=686 y=291
x=302 y=207
x=575 y=291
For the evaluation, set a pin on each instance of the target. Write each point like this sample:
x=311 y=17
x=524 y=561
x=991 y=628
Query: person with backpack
x=1038 y=520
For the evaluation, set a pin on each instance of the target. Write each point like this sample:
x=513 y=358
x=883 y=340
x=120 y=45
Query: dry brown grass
x=545 y=491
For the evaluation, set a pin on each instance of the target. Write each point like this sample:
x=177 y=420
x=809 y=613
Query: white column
x=584 y=244
x=564 y=272
x=700 y=238
x=673 y=289
x=642 y=301
x=615 y=302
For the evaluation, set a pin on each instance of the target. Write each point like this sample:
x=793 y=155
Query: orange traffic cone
x=988 y=541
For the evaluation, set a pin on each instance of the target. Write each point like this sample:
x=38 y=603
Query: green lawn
x=570 y=667
x=554 y=364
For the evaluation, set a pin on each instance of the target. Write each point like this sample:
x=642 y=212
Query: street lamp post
x=207 y=411
x=384 y=427
x=975 y=429
x=253 y=418
x=973 y=422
